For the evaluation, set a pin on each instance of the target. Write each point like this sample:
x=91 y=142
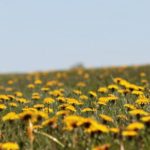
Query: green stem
x=50 y=137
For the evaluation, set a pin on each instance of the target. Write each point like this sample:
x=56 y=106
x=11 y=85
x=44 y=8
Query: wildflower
x=10 y=146
x=114 y=130
x=138 y=112
x=38 y=106
x=2 y=107
x=51 y=122
x=92 y=94
x=48 y=100
x=38 y=82
x=142 y=101
x=122 y=117
x=137 y=92
x=97 y=128
x=22 y=100
x=77 y=92
x=83 y=97
x=106 y=118
x=87 y=109
x=63 y=113
x=73 y=101
x=36 y=96
x=129 y=106
x=129 y=133
x=18 y=94
x=13 y=104
x=102 y=90
x=113 y=87
x=81 y=84
x=61 y=99
x=135 y=126
x=72 y=122
x=146 y=120
x=10 y=116
x=31 y=86
x=48 y=110
x=27 y=115
x=45 y=89
x=56 y=93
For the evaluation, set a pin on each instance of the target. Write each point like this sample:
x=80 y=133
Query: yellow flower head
x=10 y=116
x=10 y=146
x=135 y=126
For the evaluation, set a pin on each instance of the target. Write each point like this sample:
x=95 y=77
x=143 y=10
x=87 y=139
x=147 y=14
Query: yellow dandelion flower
x=106 y=118
x=38 y=82
x=31 y=86
x=81 y=84
x=87 y=109
x=129 y=106
x=137 y=92
x=63 y=113
x=51 y=122
x=45 y=89
x=73 y=101
x=13 y=104
x=102 y=90
x=114 y=130
x=77 y=92
x=122 y=117
x=10 y=146
x=135 y=126
x=92 y=94
x=113 y=87
x=72 y=122
x=138 y=112
x=83 y=97
x=2 y=107
x=49 y=100
x=142 y=101
x=18 y=94
x=10 y=116
x=146 y=120
x=129 y=133
x=38 y=106
x=27 y=115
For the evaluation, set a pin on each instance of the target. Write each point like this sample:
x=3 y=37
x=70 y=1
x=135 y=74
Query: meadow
x=76 y=109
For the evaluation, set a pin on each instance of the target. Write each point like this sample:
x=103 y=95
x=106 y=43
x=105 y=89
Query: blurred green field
x=90 y=109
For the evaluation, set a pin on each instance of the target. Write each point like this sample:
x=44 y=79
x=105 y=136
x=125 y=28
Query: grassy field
x=78 y=109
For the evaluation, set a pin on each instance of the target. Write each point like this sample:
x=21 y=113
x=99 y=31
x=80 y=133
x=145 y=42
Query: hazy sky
x=56 y=34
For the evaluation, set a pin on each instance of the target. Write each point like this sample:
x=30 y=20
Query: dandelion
x=84 y=97
x=129 y=106
x=72 y=122
x=113 y=87
x=49 y=100
x=106 y=118
x=146 y=120
x=51 y=122
x=2 y=107
x=129 y=134
x=135 y=126
x=87 y=110
x=9 y=146
x=10 y=117
x=142 y=101
x=138 y=112
x=103 y=90
x=92 y=94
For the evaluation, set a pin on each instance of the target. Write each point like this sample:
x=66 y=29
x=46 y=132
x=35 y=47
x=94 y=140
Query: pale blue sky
x=56 y=34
